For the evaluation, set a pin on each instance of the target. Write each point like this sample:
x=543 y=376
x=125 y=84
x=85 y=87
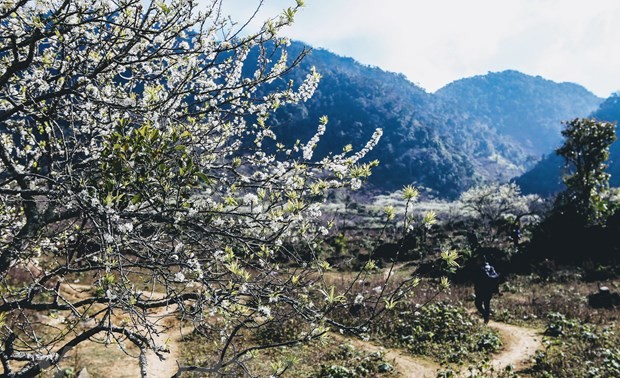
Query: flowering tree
x=493 y=203
x=136 y=156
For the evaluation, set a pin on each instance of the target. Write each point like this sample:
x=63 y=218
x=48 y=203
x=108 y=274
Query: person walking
x=486 y=283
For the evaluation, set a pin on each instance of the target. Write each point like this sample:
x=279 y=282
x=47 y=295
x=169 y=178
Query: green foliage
x=442 y=331
x=482 y=369
x=67 y=373
x=340 y=244
x=137 y=161
x=585 y=150
x=575 y=349
x=348 y=362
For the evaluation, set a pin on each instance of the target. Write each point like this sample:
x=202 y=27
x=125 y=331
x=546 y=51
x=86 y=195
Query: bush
x=482 y=369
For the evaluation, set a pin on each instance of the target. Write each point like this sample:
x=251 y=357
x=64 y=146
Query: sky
x=434 y=42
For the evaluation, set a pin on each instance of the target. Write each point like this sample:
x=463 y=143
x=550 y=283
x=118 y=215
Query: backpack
x=491 y=277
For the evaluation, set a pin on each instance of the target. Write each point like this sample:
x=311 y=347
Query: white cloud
x=434 y=43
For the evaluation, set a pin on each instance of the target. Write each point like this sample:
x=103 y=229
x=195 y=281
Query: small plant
x=348 y=362
x=340 y=244
x=482 y=369
x=575 y=349
x=336 y=371
x=68 y=373
x=442 y=331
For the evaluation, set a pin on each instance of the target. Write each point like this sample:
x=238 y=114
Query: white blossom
x=179 y=277
x=359 y=299
x=265 y=311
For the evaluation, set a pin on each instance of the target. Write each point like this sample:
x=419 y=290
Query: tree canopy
x=136 y=156
x=585 y=150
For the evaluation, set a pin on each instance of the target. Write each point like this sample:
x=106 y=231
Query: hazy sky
x=434 y=42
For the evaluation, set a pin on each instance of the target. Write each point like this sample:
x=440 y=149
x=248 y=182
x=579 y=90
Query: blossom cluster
x=131 y=147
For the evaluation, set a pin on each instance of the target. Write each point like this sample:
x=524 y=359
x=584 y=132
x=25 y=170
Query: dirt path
x=520 y=343
x=402 y=362
x=168 y=335
x=411 y=367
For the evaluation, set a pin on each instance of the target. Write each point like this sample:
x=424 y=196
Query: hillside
x=359 y=99
x=529 y=110
x=440 y=141
x=546 y=177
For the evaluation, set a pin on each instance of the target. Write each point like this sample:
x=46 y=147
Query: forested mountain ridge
x=610 y=111
x=545 y=177
x=432 y=140
x=527 y=109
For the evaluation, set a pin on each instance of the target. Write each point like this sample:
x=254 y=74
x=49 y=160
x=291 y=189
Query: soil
x=520 y=344
x=404 y=363
x=111 y=362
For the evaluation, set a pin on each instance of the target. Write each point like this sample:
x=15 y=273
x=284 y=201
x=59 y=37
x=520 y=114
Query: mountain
x=610 y=111
x=431 y=140
x=546 y=176
x=529 y=110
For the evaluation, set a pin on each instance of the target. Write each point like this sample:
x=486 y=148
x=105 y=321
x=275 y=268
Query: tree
x=585 y=150
x=136 y=156
x=494 y=203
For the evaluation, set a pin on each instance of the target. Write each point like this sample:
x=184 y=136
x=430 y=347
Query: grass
x=445 y=332
x=528 y=299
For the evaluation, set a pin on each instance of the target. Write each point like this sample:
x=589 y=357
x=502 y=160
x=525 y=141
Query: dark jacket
x=486 y=281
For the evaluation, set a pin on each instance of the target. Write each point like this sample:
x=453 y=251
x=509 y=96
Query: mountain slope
x=357 y=99
x=527 y=109
x=546 y=177
x=610 y=111
x=432 y=140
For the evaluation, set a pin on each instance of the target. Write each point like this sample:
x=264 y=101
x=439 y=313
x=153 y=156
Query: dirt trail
x=168 y=335
x=411 y=367
x=520 y=344
x=402 y=362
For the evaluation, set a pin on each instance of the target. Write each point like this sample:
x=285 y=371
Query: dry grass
x=527 y=299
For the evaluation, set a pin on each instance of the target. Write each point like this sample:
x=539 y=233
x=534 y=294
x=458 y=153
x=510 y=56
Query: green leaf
x=108 y=199
x=204 y=178
x=135 y=199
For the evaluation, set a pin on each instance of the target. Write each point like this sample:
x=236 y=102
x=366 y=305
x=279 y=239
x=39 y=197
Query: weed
x=442 y=331
x=576 y=349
